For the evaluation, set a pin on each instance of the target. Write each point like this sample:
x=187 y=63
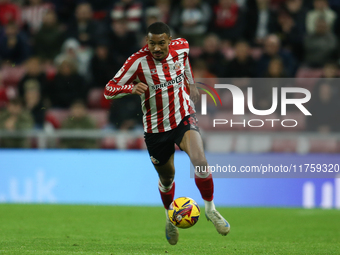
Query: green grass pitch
x=79 y=229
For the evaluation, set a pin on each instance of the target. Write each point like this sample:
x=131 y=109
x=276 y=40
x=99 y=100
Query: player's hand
x=139 y=88
x=194 y=94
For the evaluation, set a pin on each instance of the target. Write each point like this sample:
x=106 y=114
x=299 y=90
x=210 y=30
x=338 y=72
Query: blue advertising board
x=128 y=178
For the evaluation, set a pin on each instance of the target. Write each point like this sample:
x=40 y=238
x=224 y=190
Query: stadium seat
x=260 y=144
x=136 y=144
x=323 y=145
x=219 y=143
x=100 y=116
x=51 y=119
x=95 y=97
x=58 y=115
x=284 y=145
x=305 y=72
x=108 y=143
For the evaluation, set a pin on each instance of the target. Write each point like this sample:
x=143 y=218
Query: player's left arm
x=189 y=77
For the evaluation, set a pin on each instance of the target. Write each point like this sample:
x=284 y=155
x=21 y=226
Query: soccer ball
x=184 y=212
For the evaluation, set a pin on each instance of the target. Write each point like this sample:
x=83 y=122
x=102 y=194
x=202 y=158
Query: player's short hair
x=158 y=28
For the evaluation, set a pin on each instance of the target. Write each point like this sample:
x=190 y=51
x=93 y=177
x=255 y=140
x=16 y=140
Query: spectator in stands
x=129 y=10
x=15 y=118
x=34 y=75
x=3 y=94
x=78 y=120
x=228 y=20
x=321 y=10
x=263 y=92
x=190 y=20
x=202 y=74
x=291 y=29
x=321 y=46
x=9 y=13
x=32 y=15
x=152 y=15
x=164 y=7
x=324 y=108
x=330 y=74
x=102 y=66
x=260 y=22
x=272 y=49
x=48 y=40
x=71 y=49
x=67 y=85
x=34 y=104
x=242 y=65
x=276 y=69
x=330 y=70
x=212 y=56
x=65 y=10
x=125 y=113
x=201 y=70
x=122 y=42
x=13 y=46
x=84 y=28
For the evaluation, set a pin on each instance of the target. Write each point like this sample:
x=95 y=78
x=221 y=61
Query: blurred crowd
x=59 y=54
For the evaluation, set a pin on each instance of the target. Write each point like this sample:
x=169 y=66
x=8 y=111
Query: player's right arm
x=124 y=82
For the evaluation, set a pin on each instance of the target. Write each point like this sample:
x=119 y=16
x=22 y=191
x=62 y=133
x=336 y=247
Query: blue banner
x=128 y=178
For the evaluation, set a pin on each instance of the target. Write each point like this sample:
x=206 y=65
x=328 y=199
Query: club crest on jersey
x=154 y=161
x=153 y=71
x=177 y=66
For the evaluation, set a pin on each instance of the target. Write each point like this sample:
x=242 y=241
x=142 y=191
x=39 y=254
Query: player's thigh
x=192 y=144
x=189 y=139
x=166 y=172
x=161 y=150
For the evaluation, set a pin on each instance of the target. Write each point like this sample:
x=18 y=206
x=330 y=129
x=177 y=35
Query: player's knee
x=166 y=181
x=199 y=162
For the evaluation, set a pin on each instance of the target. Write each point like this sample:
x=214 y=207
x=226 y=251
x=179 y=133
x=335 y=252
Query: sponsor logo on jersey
x=153 y=71
x=155 y=161
x=177 y=80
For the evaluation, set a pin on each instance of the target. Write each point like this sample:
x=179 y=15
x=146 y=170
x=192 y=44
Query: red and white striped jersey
x=166 y=102
x=33 y=15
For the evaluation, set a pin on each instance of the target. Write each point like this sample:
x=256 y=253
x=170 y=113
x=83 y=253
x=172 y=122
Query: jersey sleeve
x=124 y=80
x=188 y=72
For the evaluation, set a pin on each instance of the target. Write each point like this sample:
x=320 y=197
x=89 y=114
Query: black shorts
x=162 y=145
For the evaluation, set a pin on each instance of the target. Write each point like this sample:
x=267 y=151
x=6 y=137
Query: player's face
x=158 y=45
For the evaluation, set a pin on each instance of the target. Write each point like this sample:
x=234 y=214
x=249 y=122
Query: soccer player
x=161 y=75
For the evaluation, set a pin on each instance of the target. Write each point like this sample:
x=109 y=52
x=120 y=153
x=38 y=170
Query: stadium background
x=57 y=56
